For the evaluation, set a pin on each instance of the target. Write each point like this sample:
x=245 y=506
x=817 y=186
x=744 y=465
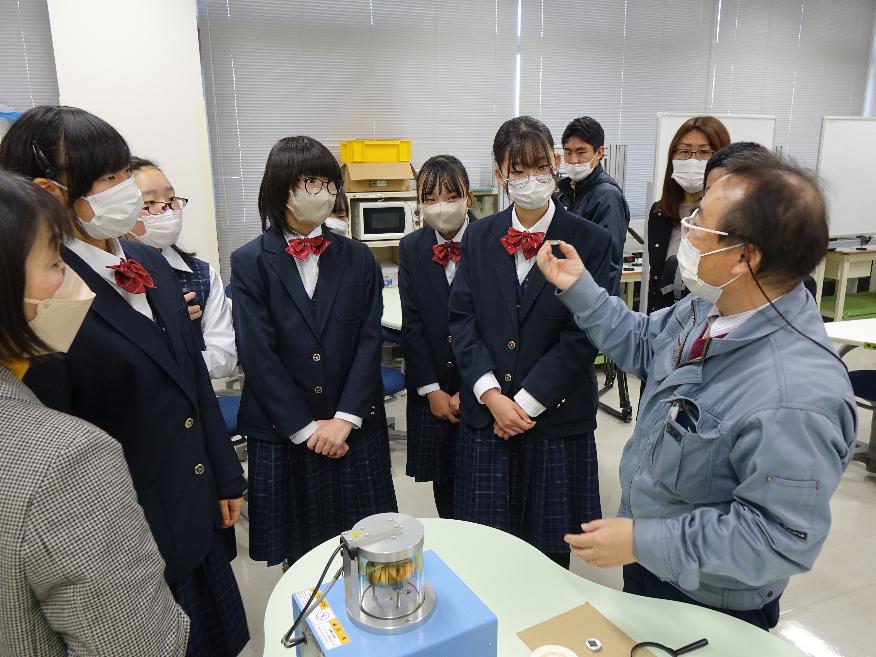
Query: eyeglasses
x=314 y=185
x=692 y=223
x=160 y=207
x=686 y=154
x=516 y=180
x=641 y=648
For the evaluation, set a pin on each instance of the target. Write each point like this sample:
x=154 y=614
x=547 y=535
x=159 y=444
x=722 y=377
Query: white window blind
x=27 y=60
x=438 y=73
x=622 y=62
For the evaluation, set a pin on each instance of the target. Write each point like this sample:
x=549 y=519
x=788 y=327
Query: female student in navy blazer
x=307 y=308
x=526 y=458
x=428 y=260
x=135 y=370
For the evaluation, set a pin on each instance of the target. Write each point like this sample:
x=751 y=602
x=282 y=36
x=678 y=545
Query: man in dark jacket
x=590 y=192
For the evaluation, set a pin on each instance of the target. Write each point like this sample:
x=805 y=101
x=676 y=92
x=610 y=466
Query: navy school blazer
x=145 y=383
x=425 y=295
x=529 y=341
x=306 y=359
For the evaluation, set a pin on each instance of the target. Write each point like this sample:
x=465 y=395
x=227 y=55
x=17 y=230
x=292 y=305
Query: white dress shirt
x=450 y=273
x=724 y=324
x=450 y=269
x=488 y=381
x=220 y=354
x=100 y=261
x=308 y=269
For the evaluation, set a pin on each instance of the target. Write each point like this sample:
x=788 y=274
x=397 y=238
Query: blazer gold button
x=450 y=338
x=317 y=358
x=656 y=246
x=199 y=469
x=512 y=344
x=189 y=423
x=318 y=390
x=449 y=364
x=507 y=378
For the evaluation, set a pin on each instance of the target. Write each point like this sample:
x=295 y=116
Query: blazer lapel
x=504 y=264
x=287 y=270
x=558 y=230
x=435 y=273
x=332 y=264
x=146 y=335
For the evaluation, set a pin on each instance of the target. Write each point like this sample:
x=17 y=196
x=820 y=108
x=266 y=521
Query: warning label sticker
x=324 y=623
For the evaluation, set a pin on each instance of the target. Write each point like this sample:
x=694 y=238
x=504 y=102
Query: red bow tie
x=302 y=247
x=442 y=253
x=516 y=240
x=132 y=277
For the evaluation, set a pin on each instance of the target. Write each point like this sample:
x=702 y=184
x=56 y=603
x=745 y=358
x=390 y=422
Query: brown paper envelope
x=573 y=628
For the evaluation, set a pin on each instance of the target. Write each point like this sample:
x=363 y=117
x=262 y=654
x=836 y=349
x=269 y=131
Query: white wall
x=106 y=63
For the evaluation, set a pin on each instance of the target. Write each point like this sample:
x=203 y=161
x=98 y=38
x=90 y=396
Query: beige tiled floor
x=828 y=612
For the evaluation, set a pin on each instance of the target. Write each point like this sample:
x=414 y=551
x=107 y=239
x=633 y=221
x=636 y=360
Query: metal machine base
x=458 y=623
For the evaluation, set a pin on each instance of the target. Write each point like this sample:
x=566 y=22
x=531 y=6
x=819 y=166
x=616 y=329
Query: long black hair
x=523 y=141
x=290 y=159
x=24 y=209
x=65 y=144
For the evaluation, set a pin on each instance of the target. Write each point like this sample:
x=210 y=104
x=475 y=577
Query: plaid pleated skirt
x=211 y=599
x=538 y=489
x=431 y=443
x=299 y=499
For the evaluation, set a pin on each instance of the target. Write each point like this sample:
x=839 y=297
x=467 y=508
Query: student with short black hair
x=307 y=309
x=70 y=579
x=134 y=369
x=716 y=167
x=590 y=192
x=428 y=260
x=526 y=458
x=159 y=226
x=339 y=220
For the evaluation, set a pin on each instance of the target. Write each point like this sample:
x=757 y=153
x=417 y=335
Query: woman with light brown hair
x=693 y=144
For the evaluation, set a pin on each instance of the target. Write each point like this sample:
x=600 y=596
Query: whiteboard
x=742 y=127
x=847 y=166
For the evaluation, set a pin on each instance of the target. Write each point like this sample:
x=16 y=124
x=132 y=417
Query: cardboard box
x=378 y=176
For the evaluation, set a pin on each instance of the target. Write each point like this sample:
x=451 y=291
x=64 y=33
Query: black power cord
x=794 y=328
x=288 y=641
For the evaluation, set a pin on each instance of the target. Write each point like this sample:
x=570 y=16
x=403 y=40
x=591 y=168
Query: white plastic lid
x=553 y=651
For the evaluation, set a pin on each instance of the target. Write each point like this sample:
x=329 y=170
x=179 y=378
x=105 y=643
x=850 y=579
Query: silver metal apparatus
x=385 y=591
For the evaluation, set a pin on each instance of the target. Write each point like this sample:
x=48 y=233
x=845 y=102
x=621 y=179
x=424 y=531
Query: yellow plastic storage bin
x=365 y=150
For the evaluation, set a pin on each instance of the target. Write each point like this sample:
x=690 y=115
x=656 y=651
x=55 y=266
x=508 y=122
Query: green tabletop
x=523 y=587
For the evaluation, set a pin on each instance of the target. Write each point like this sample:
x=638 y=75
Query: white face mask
x=689 y=174
x=58 y=319
x=580 y=171
x=311 y=209
x=533 y=194
x=337 y=225
x=689 y=266
x=116 y=210
x=162 y=230
x=444 y=217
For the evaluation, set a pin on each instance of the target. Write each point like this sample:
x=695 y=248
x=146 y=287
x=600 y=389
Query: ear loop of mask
x=794 y=328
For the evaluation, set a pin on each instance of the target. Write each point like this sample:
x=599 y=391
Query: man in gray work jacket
x=748 y=418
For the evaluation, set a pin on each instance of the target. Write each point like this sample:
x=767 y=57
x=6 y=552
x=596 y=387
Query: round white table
x=392 y=311
x=522 y=588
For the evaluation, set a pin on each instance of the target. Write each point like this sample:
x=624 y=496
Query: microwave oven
x=382 y=220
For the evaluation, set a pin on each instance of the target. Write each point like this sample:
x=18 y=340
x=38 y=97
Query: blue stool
x=393 y=381
x=864 y=387
x=229 y=405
